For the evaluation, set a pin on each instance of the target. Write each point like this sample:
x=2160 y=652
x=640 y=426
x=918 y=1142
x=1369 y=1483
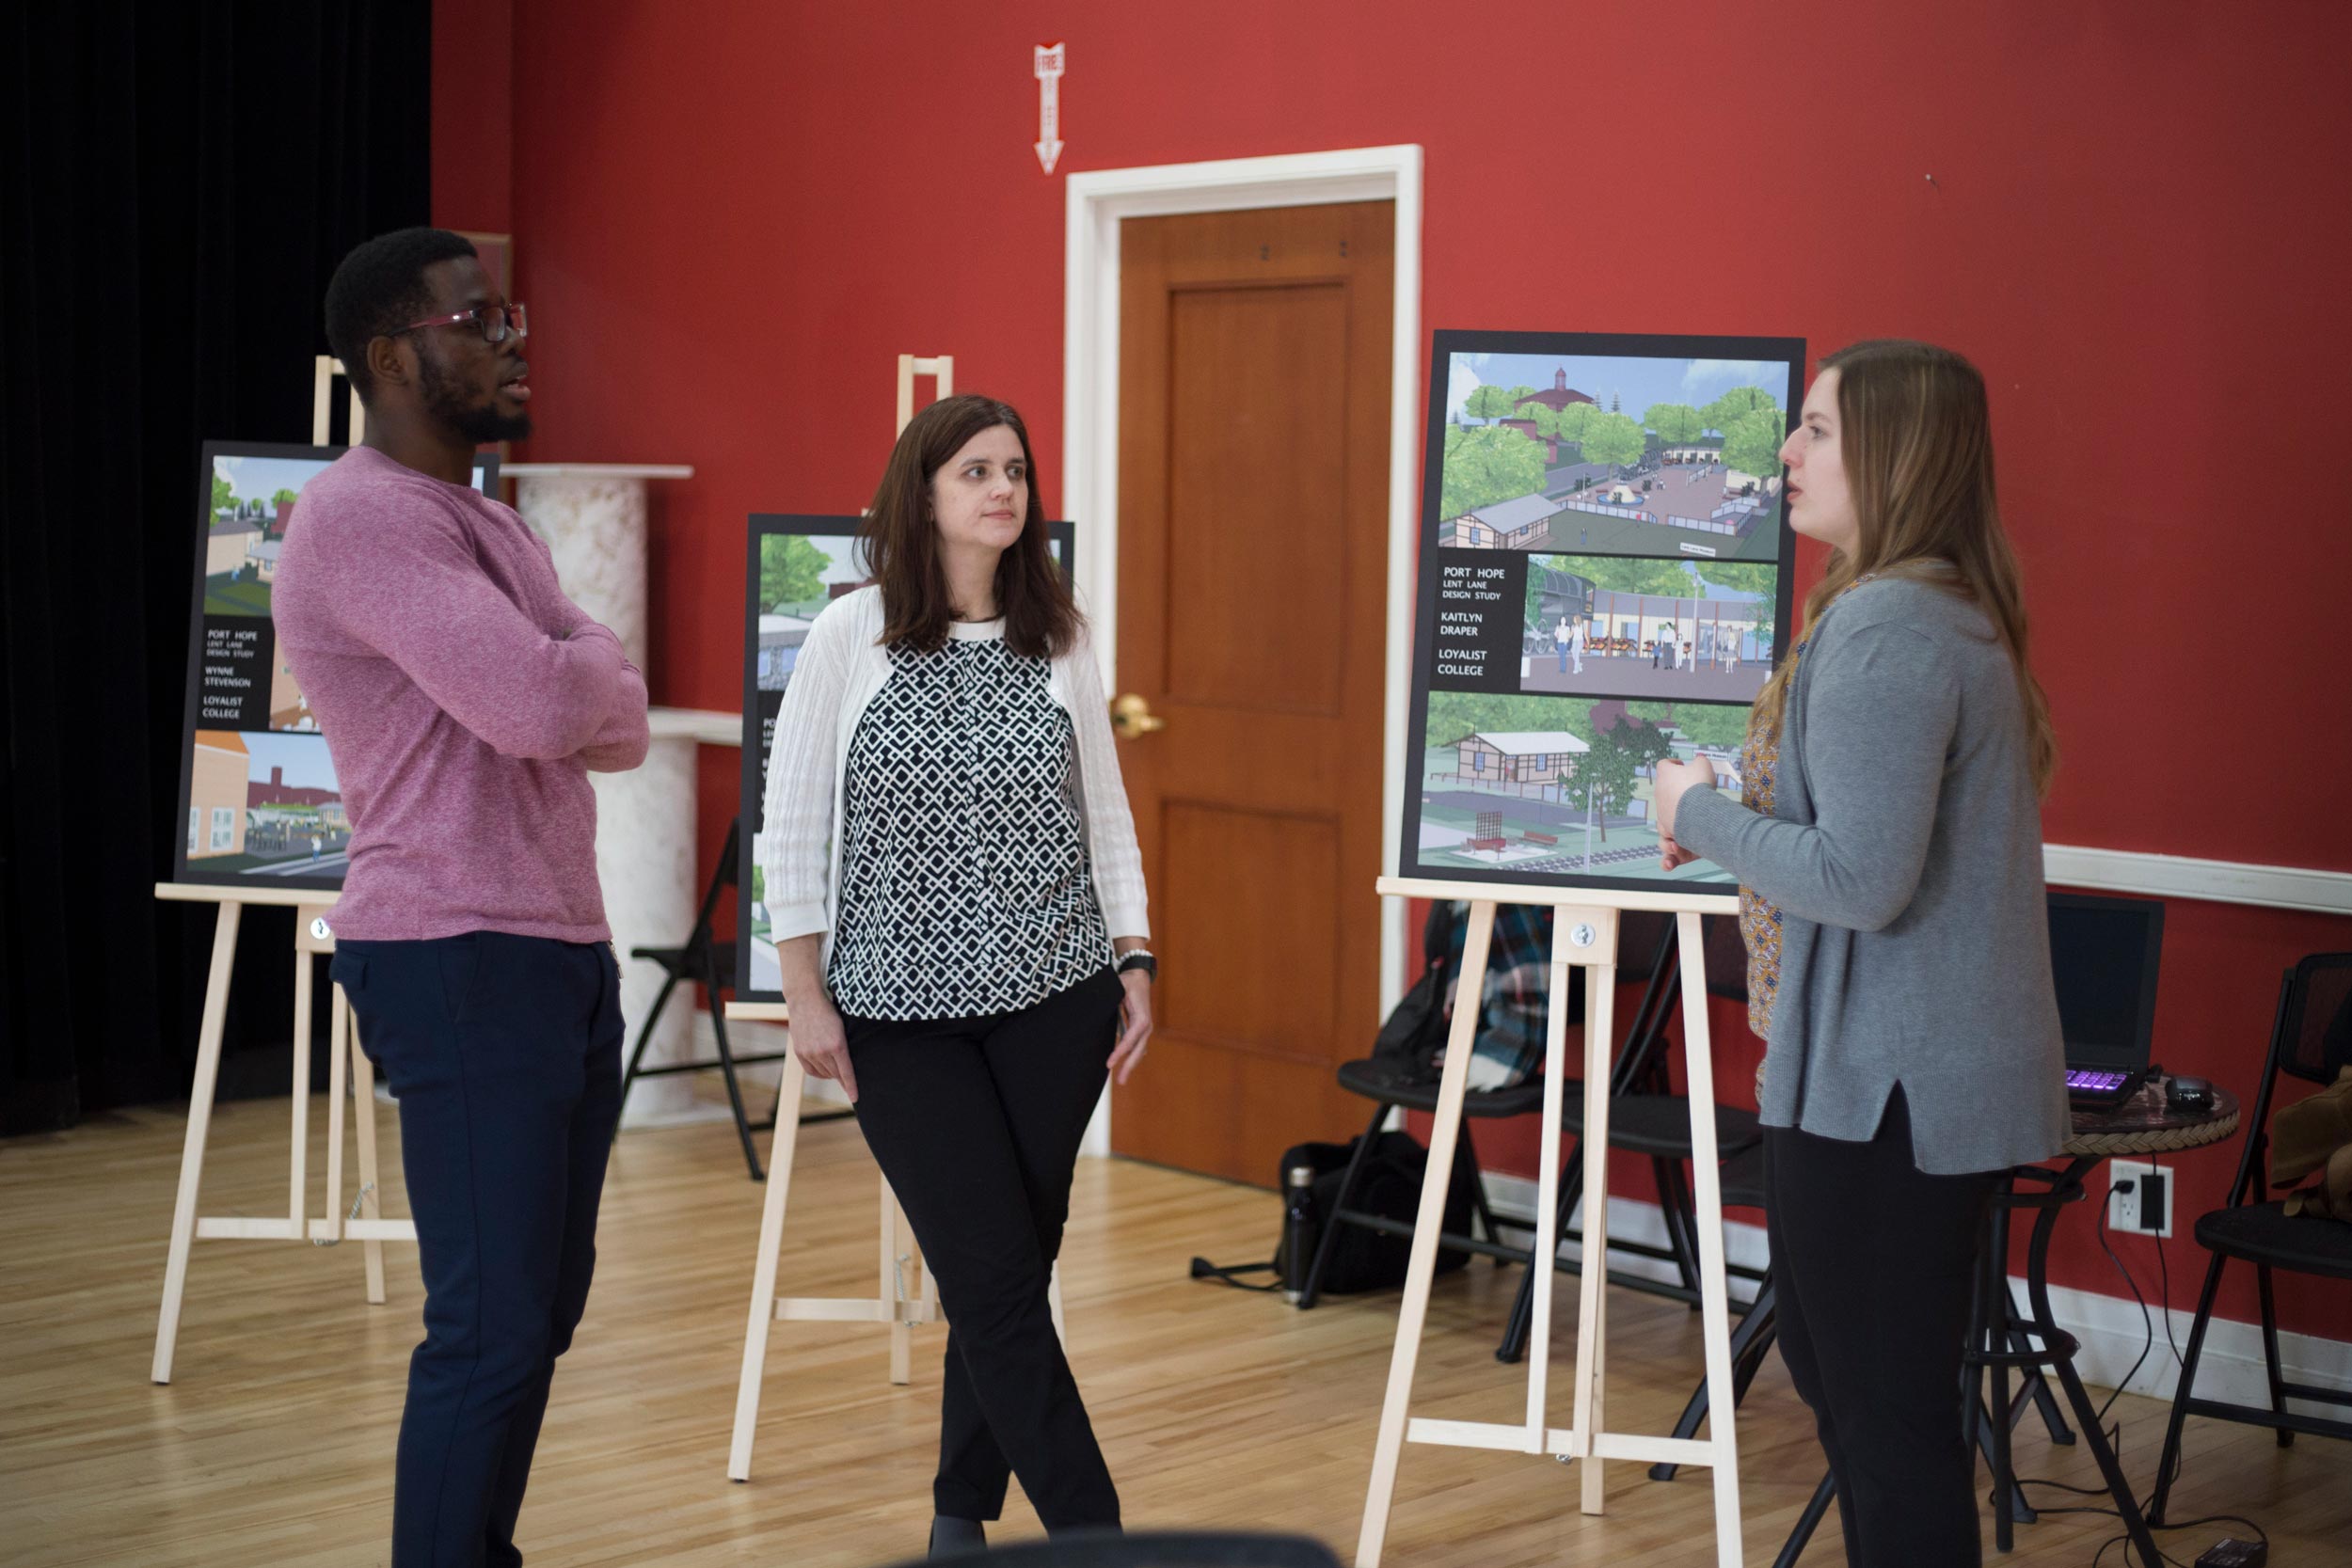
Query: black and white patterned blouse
x=965 y=889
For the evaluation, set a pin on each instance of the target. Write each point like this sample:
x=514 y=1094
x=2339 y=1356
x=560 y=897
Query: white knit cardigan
x=840 y=668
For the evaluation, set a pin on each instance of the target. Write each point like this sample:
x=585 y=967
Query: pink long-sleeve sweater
x=465 y=700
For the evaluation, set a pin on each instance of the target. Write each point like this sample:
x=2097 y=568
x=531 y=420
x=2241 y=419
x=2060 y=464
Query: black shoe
x=954 y=1537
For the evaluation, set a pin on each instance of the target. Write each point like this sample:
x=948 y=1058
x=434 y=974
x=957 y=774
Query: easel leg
x=1540 y=1270
x=363 y=1124
x=893 y=1259
x=1591 y=1294
x=1706 y=1176
x=298 y=1205
x=338 y=1083
x=764 y=1275
x=1444 y=1133
x=199 y=1123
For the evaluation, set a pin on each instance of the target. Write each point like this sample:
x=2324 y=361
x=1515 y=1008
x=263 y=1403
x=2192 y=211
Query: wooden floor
x=274 y=1444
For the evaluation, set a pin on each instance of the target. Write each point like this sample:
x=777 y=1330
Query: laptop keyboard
x=2095 y=1081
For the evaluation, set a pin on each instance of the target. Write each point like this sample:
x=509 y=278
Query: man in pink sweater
x=465 y=700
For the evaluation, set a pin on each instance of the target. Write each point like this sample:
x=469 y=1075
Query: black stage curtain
x=177 y=185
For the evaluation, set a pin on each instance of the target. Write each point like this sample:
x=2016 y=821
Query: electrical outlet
x=2145 y=1210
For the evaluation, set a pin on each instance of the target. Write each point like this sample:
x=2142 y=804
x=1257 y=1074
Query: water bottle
x=1300 y=1231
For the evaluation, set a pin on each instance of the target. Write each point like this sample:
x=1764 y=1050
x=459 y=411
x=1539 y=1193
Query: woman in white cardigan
x=951 y=876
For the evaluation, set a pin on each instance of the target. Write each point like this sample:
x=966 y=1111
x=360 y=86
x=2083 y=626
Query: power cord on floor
x=2115 y=1433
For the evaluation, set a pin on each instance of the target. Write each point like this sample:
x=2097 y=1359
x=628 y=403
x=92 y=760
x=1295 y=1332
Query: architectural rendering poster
x=256 y=787
x=1604 y=585
x=797 y=566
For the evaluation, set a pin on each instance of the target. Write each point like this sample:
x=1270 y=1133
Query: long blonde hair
x=1916 y=443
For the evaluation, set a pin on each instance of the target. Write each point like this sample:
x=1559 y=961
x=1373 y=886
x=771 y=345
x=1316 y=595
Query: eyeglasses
x=493 y=321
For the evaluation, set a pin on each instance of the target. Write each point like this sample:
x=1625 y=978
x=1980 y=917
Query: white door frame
x=1097 y=201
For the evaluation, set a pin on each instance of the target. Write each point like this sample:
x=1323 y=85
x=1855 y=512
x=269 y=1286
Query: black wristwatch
x=1140 y=960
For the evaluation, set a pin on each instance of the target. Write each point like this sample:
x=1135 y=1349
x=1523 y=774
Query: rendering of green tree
x=1576 y=419
x=790 y=570
x=1487 y=466
x=1715 y=726
x=1625 y=573
x=1726 y=410
x=1613 y=439
x=1675 y=422
x=1612 y=769
x=1752 y=444
x=1646 y=742
x=1740 y=577
x=1489 y=402
x=224 y=494
x=1532 y=610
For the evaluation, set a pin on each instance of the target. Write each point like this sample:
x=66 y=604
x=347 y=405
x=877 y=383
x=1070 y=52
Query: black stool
x=2000 y=1342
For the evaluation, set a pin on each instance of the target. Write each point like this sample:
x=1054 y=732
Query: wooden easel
x=323 y=371
x=1584 y=936
x=904 y=1294
x=312 y=939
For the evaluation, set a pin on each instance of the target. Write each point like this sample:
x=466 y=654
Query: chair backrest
x=2311 y=1039
x=2316 y=1034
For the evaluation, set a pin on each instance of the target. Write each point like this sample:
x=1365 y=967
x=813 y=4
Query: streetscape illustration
x=1561 y=785
x=1614 y=455
x=1681 y=630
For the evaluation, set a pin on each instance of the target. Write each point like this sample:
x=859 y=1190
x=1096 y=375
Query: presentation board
x=1604 y=584
x=258 y=795
x=796 y=566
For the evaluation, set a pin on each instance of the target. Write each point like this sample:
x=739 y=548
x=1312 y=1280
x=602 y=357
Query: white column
x=593 y=516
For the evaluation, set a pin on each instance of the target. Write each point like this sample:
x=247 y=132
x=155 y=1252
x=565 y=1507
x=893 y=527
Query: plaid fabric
x=1512 y=1015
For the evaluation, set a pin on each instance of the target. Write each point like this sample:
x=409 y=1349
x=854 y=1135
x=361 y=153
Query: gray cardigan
x=1904 y=852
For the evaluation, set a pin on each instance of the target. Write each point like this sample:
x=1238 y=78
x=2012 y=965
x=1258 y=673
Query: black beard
x=480 y=423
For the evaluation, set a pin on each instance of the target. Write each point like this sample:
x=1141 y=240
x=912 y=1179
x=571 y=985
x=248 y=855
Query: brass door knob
x=1131 y=715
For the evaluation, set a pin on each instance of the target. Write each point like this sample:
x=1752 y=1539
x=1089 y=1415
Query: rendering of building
x=289 y=709
x=779 y=639
x=217 y=795
x=1518 y=761
x=278 y=793
x=229 y=540
x=1512 y=525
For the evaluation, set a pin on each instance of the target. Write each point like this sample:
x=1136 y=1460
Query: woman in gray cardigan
x=1888 y=845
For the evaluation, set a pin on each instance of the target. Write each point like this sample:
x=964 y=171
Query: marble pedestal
x=593 y=516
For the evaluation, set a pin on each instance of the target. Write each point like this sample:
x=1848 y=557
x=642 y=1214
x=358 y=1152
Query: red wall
x=728 y=228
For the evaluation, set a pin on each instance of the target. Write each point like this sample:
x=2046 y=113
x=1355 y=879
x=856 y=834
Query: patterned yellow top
x=1759 y=921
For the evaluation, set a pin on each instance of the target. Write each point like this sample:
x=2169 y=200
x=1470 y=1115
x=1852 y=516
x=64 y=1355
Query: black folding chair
x=1645 y=1118
x=708 y=962
x=2311 y=1039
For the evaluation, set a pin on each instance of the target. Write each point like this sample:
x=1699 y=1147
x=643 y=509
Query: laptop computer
x=2103 y=955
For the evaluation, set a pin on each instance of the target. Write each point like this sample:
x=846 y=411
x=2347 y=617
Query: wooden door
x=1254 y=479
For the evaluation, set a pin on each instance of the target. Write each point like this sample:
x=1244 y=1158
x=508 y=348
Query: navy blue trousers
x=504 y=1053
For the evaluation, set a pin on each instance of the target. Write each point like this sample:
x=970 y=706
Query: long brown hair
x=1041 y=620
x=1916 y=443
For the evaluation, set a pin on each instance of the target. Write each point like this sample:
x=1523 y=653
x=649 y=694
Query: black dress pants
x=506 y=1054
x=1874 y=1262
x=976 y=1124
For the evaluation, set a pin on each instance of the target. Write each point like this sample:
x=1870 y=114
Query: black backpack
x=1388 y=1185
